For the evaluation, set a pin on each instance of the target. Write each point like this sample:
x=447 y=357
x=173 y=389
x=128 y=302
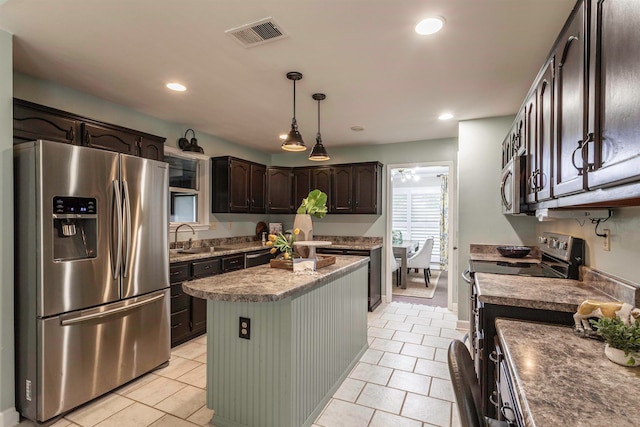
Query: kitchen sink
x=204 y=249
x=200 y=250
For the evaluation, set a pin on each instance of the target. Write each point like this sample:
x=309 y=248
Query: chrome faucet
x=176 y=238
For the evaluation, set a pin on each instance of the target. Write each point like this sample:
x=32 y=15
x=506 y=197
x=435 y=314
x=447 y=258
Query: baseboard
x=9 y=418
x=462 y=325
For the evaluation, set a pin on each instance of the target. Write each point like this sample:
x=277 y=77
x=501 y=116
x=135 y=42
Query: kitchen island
x=305 y=333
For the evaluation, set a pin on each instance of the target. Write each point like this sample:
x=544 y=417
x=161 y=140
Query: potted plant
x=623 y=341
x=315 y=204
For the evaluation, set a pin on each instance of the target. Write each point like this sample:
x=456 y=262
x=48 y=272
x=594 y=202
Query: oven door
x=511 y=187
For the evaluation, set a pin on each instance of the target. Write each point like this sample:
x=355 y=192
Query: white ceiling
x=363 y=54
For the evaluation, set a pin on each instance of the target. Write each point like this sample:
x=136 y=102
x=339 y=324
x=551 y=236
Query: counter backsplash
x=225 y=241
x=615 y=287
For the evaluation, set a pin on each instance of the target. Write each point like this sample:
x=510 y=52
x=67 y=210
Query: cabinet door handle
x=585 y=161
x=493 y=356
x=573 y=157
x=71 y=134
x=87 y=139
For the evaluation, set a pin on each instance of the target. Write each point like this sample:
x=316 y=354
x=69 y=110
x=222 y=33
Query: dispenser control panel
x=75 y=205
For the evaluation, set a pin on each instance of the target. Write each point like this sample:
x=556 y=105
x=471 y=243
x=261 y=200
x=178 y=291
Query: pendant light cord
x=318 y=136
x=294 y=100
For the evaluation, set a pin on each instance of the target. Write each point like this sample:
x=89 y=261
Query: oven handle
x=465 y=277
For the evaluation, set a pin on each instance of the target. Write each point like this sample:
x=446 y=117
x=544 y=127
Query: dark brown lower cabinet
x=375 y=271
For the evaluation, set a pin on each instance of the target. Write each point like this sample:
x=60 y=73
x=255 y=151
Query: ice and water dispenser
x=75 y=228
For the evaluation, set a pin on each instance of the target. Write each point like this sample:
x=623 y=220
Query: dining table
x=403 y=251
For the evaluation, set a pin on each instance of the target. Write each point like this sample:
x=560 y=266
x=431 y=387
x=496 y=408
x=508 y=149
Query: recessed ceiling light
x=177 y=87
x=445 y=116
x=357 y=128
x=430 y=25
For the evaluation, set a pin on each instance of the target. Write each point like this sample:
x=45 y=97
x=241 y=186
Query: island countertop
x=266 y=284
x=561 y=379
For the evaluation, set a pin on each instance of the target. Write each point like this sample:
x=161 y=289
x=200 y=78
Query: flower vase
x=617 y=356
x=305 y=225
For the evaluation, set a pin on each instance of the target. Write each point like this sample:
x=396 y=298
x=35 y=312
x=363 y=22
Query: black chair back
x=465 y=385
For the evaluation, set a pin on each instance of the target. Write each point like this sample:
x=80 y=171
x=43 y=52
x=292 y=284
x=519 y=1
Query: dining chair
x=422 y=259
x=466 y=388
x=395 y=268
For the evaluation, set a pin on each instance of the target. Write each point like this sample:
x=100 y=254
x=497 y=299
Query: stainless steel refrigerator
x=92 y=273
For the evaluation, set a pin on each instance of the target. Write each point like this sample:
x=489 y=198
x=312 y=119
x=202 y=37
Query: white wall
x=479 y=217
x=8 y=414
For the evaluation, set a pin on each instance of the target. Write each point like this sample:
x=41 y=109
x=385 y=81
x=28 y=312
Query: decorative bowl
x=513 y=251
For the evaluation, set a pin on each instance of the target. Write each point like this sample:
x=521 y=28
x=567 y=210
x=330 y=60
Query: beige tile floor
x=401 y=381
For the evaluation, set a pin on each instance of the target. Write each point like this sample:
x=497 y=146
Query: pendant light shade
x=319 y=153
x=293 y=141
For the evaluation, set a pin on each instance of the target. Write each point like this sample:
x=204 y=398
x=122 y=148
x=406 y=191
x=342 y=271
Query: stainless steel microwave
x=511 y=186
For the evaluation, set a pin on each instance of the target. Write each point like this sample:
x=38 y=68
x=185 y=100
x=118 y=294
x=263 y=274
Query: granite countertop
x=535 y=292
x=231 y=249
x=561 y=379
x=479 y=252
x=266 y=284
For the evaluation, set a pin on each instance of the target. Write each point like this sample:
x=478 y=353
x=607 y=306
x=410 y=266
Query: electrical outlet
x=607 y=239
x=245 y=328
x=212 y=225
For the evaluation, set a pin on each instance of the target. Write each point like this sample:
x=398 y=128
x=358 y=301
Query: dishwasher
x=252 y=259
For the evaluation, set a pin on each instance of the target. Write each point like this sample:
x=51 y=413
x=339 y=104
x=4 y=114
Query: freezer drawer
x=88 y=353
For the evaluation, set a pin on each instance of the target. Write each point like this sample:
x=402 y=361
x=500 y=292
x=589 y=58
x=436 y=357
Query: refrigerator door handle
x=116 y=248
x=127 y=227
x=101 y=314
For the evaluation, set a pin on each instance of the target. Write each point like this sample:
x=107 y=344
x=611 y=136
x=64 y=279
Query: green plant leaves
x=618 y=335
x=314 y=204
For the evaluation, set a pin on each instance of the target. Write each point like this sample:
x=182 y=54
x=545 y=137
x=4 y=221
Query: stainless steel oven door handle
x=503 y=184
x=127 y=228
x=117 y=223
x=87 y=317
x=466 y=277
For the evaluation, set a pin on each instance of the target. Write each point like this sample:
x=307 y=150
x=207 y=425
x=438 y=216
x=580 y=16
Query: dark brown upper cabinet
x=357 y=188
x=571 y=104
x=321 y=180
x=108 y=138
x=587 y=127
x=258 y=188
x=614 y=156
x=342 y=189
x=238 y=186
x=544 y=136
x=33 y=121
x=301 y=185
x=279 y=183
x=538 y=137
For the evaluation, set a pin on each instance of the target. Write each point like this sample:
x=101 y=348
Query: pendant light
x=319 y=153
x=293 y=141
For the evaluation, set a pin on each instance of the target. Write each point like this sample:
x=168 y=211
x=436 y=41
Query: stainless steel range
x=562 y=255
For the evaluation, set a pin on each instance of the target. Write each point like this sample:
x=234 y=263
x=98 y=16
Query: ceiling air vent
x=263 y=31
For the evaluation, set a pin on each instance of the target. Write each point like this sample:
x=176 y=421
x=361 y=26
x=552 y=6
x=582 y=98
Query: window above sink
x=189 y=176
